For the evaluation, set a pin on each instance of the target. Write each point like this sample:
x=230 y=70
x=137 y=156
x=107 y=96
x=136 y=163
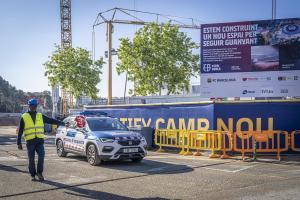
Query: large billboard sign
x=251 y=59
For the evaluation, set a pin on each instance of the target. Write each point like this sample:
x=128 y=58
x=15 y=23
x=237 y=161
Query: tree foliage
x=13 y=100
x=74 y=70
x=159 y=57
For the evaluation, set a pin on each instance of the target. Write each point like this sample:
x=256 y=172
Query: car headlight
x=106 y=140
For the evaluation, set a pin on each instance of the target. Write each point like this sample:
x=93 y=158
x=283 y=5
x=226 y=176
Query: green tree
x=159 y=57
x=74 y=71
x=11 y=99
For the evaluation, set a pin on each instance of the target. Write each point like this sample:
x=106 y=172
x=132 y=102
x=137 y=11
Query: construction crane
x=65 y=21
x=66 y=41
x=133 y=20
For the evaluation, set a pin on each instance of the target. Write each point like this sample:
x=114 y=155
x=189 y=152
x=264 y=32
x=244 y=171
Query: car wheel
x=60 y=149
x=92 y=155
x=137 y=159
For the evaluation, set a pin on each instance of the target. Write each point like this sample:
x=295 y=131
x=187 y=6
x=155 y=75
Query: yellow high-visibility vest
x=32 y=130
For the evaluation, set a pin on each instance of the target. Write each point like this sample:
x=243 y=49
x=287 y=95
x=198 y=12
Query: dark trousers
x=38 y=147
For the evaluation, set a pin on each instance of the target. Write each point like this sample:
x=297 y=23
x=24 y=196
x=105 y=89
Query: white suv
x=99 y=138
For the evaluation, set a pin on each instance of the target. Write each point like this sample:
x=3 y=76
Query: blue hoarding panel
x=165 y=116
x=219 y=116
x=261 y=116
x=274 y=115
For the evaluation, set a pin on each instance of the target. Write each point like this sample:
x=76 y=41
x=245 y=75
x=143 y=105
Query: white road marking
x=243 y=168
x=180 y=157
x=62 y=178
x=240 y=168
x=8 y=158
x=14 y=158
x=229 y=170
x=51 y=154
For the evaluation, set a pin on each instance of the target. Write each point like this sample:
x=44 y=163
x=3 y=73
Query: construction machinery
x=66 y=41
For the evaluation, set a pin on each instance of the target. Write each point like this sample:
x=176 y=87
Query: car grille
x=129 y=142
x=121 y=152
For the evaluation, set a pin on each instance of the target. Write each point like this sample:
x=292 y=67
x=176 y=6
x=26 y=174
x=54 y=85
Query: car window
x=66 y=120
x=105 y=124
x=71 y=121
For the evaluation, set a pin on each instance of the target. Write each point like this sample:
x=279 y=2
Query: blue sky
x=30 y=28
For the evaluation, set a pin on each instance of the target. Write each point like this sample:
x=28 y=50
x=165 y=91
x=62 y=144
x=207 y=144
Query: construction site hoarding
x=251 y=59
x=221 y=116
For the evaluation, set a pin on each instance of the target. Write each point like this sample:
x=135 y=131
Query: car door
x=81 y=134
x=62 y=130
x=79 y=140
x=70 y=135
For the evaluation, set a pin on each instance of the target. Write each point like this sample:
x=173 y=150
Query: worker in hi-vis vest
x=32 y=127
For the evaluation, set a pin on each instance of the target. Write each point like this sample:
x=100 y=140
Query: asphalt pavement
x=158 y=176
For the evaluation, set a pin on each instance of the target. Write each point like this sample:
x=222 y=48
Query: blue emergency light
x=90 y=113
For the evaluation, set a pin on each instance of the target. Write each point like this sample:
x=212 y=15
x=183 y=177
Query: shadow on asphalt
x=145 y=166
x=8 y=168
x=74 y=190
x=91 y=194
x=12 y=139
x=292 y=160
x=8 y=139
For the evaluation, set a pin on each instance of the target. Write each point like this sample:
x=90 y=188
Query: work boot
x=40 y=176
x=33 y=178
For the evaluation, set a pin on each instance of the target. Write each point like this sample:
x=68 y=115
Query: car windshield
x=105 y=124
